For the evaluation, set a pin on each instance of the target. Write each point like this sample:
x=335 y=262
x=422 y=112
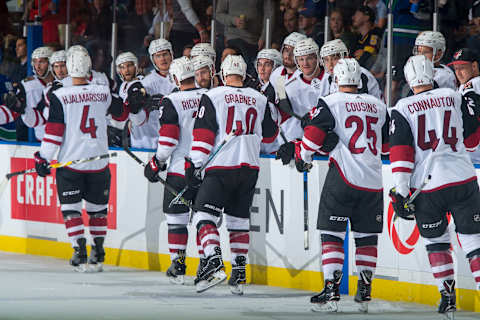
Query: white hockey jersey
x=146 y=134
x=444 y=77
x=222 y=110
x=432 y=120
x=77 y=125
x=368 y=84
x=33 y=118
x=178 y=113
x=361 y=122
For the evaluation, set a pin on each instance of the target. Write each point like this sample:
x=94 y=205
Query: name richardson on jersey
x=240 y=98
x=361 y=106
x=430 y=103
x=190 y=104
x=85 y=97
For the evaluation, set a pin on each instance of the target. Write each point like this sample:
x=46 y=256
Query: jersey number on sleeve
x=91 y=128
x=433 y=140
x=372 y=144
x=250 y=119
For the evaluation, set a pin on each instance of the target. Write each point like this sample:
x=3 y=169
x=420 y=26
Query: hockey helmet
x=79 y=64
x=233 y=64
x=181 y=69
x=203 y=49
x=125 y=57
x=159 y=45
x=270 y=54
x=418 y=71
x=42 y=52
x=347 y=72
x=431 y=39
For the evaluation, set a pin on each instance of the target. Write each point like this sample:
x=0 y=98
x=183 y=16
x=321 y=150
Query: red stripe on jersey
x=36 y=117
x=474 y=178
x=206 y=151
x=124 y=115
x=272 y=138
x=55 y=129
x=204 y=135
x=176 y=174
x=284 y=116
x=306 y=147
x=385 y=148
x=472 y=141
x=402 y=153
x=165 y=143
x=7 y=116
x=232 y=167
x=170 y=131
x=402 y=169
x=52 y=141
x=315 y=134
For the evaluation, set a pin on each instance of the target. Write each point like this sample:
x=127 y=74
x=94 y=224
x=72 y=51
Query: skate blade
x=217 y=278
x=82 y=268
x=237 y=290
x=95 y=267
x=363 y=307
x=180 y=280
x=330 y=306
x=450 y=315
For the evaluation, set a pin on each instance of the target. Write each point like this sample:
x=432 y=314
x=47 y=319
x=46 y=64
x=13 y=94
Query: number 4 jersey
x=360 y=121
x=430 y=133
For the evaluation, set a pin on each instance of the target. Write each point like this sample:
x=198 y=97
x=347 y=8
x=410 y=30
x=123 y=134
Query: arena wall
x=31 y=223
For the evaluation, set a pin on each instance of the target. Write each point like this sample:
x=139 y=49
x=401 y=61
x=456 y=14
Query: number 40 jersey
x=361 y=123
x=430 y=134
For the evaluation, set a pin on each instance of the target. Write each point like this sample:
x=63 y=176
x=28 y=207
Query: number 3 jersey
x=360 y=121
x=222 y=110
x=77 y=125
x=177 y=116
x=430 y=133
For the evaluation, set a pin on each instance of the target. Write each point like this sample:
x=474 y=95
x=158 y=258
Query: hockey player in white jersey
x=432 y=45
x=58 y=64
x=353 y=188
x=95 y=77
x=77 y=128
x=334 y=50
x=156 y=83
x=465 y=63
x=203 y=49
x=229 y=182
x=429 y=135
x=204 y=68
x=267 y=61
x=289 y=67
x=179 y=110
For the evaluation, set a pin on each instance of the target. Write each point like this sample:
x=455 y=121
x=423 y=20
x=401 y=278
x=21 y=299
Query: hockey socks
x=209 y=237
x=332 y=254
x=177 y=240
x=98 y=225
x=471 y=246
x=441 y=263
x=366 y=252
x=75 y=228
x=239 y=242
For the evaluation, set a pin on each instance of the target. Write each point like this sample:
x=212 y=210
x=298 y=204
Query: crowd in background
x=240 y=26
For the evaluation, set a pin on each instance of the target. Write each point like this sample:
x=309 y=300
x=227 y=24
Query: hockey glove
x=330 y=142
x=41 y=165
x=152 y=169
x=193 y=181
x=401 y=206
x=305 y=120
x=16 y=101
x=301 y=165
x=285 y=152
x=137 y=97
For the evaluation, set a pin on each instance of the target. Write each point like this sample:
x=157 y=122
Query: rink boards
x=31 y=223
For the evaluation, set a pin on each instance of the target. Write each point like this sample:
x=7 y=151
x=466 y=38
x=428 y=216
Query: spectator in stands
x=21 y=52
x=186 y=50
x=473 y=39
x=244 y=24
x=370 y=38
x=308 y=22
x=99 y=27
x=380 y=12
x=340 y=29
x=348 y=7
x=290 y=21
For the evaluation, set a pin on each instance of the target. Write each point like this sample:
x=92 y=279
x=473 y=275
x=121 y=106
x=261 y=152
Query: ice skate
x=238 y=277
x=326 y=301
x=448 y=303
x=176 y=271
x=97 y=256
x=79 y=258
x=201 y=265
x=364 y=290
x=213 y=273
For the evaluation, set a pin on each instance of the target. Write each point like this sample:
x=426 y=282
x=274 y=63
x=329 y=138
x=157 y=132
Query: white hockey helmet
x=41 y=52
x=347 y=72
x=233 y=64
x=125 y=57
x=79 y=64
x=270 y=54
x=431 y=39
x=202 y=61
x=159 y=45
x=334 y=47
x=203 y=49
x=306 y=47
x=292 y=39
x=76 y=48
x=418 y=71
x=57 y=56
x=181 y=69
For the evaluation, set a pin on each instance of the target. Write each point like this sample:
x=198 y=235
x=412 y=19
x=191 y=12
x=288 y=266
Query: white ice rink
x=33 y=287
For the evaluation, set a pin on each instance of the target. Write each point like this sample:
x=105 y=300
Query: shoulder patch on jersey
x=391 y=129
x=314 y=112
x=468 y=85
x=29 y=78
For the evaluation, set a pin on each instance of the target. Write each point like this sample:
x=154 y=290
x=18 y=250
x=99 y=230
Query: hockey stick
x=198 y=171
x=140 y=162
x=63 y=164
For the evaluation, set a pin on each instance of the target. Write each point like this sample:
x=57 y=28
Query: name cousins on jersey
x=431 y=103
x=361 y=106
x=85 y=97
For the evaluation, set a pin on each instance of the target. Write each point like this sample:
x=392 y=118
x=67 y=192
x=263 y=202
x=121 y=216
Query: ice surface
x=34 y=287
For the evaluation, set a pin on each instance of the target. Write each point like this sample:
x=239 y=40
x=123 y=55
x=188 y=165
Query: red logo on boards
x=35 y=198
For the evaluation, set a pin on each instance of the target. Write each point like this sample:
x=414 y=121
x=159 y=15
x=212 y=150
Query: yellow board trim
x=264 y=275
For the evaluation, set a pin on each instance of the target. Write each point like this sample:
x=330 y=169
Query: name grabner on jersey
x=430 y=103
x=240 y=98
x=84 y=97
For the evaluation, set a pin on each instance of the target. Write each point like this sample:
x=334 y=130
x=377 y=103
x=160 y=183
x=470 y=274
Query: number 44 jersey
x=360 y=121
x=430 y=134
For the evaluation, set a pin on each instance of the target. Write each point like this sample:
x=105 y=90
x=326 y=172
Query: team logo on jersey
x=391 y=129
x=314 y=112
x=316 y=83
x=468 y=85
